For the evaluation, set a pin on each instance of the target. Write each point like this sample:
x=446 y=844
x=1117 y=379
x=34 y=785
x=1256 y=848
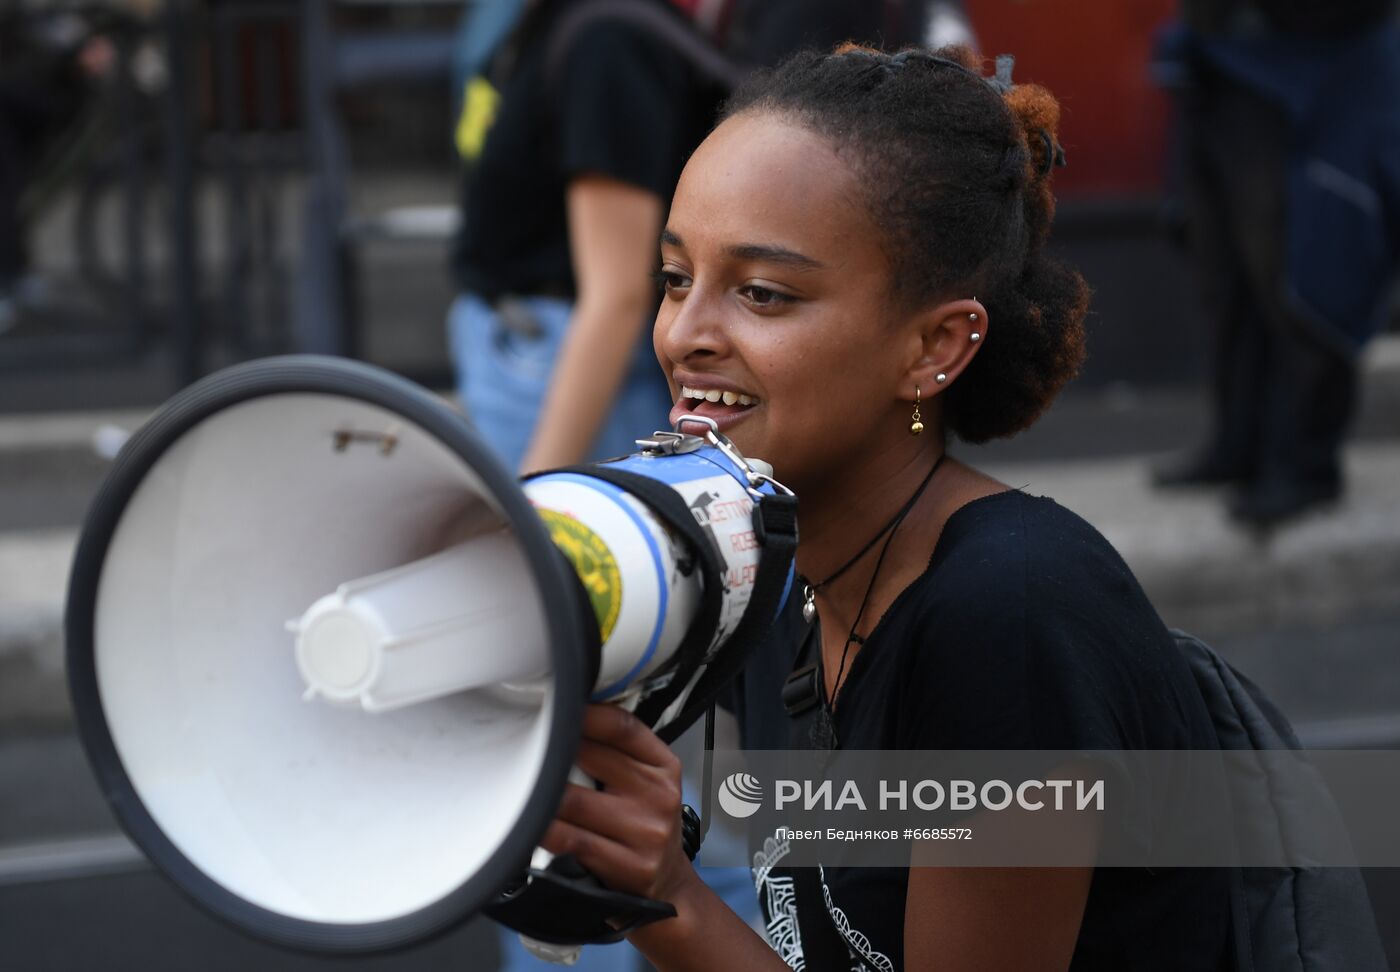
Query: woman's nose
x=689 y=329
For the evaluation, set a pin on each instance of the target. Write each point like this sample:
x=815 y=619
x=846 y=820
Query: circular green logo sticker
x=593 y=561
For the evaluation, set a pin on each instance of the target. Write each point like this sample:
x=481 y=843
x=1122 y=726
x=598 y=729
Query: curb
x=33 y=579
x=1209 y=576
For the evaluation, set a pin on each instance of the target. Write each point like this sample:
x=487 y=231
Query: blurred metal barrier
x=227 y=184
x=335 y=62
x=111 y=161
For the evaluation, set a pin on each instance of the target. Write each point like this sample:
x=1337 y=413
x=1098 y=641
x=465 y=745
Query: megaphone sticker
x=594 y=562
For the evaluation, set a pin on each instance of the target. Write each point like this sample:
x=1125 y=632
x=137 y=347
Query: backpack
x=1284 y=919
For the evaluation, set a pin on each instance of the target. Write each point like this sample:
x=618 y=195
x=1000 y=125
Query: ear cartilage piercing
x=974 y=337
x=972 y=316
x=940 y=378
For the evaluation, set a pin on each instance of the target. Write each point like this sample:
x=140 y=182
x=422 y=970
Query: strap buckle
x=753 y=478
x=800 y=691
x=669 y=444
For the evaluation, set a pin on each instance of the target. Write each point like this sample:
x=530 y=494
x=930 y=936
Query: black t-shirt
x=771 y=30
x=620 y=103
x=1027 y=632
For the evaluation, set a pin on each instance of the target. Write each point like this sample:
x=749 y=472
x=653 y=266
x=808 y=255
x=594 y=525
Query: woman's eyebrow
x=774 y=254
x=757 y=251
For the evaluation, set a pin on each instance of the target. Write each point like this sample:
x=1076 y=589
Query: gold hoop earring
x=916 y=423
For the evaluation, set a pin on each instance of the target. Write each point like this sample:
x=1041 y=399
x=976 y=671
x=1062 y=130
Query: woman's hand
x=628 y=834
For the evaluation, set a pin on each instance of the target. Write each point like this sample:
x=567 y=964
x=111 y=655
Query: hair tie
x=1001 y=81
x=1054 y=153
x=1012 y=174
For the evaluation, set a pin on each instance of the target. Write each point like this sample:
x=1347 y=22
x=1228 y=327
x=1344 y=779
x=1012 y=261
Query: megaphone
x=329 y=659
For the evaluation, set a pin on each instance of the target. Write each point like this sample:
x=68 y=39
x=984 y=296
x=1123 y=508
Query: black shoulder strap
x=775 y=525
x=668 y=505
x=658 y=21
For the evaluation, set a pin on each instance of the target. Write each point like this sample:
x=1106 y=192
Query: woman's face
x=777 y=292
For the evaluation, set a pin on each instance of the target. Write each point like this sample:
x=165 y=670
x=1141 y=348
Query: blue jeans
x=503 y=372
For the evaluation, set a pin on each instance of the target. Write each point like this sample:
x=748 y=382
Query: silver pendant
x=809 y=603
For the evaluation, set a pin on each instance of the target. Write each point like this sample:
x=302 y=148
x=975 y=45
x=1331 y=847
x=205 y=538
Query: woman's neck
x=841 y=515
x=838 y=520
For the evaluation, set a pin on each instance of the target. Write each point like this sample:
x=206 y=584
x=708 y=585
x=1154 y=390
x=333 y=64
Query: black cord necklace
x=823 y=731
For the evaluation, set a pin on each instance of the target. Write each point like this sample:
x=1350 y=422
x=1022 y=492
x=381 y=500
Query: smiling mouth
x=728 y=398
x=722 y=406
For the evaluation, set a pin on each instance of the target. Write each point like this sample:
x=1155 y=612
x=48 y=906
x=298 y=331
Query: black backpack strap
x=656 y=20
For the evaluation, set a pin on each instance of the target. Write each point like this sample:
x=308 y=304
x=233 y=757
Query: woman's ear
x=946 y=338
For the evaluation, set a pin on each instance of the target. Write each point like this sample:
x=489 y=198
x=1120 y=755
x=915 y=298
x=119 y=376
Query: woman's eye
x=669 y=280
x=763 y=297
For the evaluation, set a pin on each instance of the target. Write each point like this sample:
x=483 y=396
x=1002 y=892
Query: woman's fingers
x=616 y=866
x=618 y=818
x=627 y=833
x=621 y=773
x=621 y=730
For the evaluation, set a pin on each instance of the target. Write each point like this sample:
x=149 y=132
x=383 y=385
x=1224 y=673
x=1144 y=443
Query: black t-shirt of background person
x=1026 y=632
x=766 y=32
x=620 y=104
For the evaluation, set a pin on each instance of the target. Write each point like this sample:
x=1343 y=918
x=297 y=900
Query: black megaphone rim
x=293 y=374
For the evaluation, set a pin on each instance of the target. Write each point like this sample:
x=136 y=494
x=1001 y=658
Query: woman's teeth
x=715 y=395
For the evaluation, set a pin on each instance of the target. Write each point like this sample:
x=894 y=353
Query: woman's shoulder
x=1029 y=614
x=1012 y=544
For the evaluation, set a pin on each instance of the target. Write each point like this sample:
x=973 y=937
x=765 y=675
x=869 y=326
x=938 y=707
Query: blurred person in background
x=1291 y=125
x=573 y=155
x=50 y=57
x=944 y=24
x=573 y=149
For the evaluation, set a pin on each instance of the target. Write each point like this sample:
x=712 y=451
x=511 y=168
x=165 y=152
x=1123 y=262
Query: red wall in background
x=1093 y=54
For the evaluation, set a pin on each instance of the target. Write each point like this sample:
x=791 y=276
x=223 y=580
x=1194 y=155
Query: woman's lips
x=723 y=415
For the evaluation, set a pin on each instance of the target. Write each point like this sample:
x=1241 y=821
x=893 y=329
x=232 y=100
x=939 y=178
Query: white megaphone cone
x=443 y=624
x=386 y=767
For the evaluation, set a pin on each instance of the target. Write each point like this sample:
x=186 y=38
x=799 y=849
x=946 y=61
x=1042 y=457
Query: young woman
x=854 y=262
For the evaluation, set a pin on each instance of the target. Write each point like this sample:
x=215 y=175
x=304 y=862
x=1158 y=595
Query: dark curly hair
x=957 y=168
